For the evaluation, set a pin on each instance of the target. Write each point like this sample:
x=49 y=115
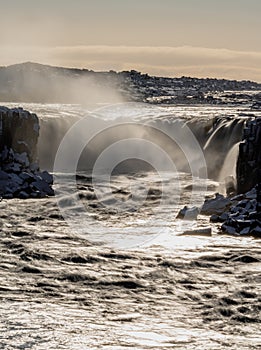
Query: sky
x=200 y=38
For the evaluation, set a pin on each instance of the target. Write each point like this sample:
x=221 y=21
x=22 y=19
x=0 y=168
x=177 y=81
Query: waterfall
x=224 y=135
x=217 y=137
x=230 y=162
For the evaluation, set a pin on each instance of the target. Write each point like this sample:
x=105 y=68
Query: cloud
x=167 y=61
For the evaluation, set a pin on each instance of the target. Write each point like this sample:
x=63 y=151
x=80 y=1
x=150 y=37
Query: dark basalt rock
x=241 y=215
x=20 y=176
x=249 y=158
x=244 y=218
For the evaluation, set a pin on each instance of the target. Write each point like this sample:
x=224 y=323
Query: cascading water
x=62 y=291
x=216 y=135
x=224 y=135
x=227 y=175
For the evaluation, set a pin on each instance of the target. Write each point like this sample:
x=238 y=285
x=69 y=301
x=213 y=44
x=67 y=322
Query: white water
x=61 y=289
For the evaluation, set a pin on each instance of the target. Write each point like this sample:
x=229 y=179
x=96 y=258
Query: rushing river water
x=125 y=279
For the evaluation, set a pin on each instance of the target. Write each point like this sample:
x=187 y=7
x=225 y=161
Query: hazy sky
x=219 y=38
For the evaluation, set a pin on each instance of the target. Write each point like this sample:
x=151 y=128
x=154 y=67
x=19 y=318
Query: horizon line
x=121 y=71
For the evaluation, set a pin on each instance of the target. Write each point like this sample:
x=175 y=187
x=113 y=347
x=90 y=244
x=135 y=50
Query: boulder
x=215 y=205
x=42 y=186
x=228 y=229
x=23 y=195
x=22 y=158
x=44 y=175
x=188 y=213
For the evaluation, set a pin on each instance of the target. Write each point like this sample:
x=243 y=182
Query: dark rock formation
x=249 y=159
x=240 y=215
x=244 y=214
x=20 y=175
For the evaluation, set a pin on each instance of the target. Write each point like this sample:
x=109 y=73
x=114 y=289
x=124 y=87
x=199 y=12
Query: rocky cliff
x=241 y=214
x=20 y=175
x=249 y=159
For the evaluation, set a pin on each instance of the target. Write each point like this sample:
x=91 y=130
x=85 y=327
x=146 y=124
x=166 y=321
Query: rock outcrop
x=249 y=158
x=20 y=176
x=242 y=214
x=244 y=217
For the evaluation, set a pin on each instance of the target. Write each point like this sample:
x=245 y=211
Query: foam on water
x=63 y=290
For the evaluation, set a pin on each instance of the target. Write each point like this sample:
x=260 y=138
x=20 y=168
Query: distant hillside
x=33 y=82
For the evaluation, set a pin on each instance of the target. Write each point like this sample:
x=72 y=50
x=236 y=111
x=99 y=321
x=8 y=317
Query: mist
x=31 y=82
x=135 y=146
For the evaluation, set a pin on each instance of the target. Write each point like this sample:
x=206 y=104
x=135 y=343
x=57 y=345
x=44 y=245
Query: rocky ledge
x=244 y=217
x=20 y=176
x=240 y=214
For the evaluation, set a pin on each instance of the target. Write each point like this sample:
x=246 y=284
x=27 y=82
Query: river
x=123 y=276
